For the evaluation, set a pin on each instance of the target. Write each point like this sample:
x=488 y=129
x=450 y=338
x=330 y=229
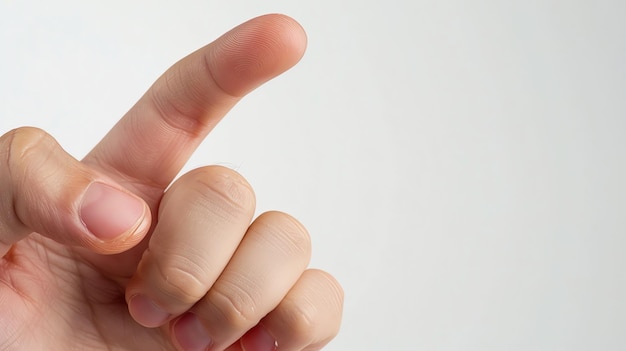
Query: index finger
x=151 y=143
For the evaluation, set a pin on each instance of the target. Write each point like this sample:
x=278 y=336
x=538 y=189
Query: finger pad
x=255 y=52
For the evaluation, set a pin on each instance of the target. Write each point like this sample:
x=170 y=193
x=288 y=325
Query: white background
x=461 y=165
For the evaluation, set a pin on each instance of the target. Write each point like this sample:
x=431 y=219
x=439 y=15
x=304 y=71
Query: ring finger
x=307 y=318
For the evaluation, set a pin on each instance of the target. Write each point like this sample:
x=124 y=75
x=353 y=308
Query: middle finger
x=202 y=219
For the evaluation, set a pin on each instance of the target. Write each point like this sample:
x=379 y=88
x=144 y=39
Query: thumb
x=45 y=190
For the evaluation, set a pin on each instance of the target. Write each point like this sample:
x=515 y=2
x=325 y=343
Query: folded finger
x=202 y=219
x=270 y=259
x=306 y=319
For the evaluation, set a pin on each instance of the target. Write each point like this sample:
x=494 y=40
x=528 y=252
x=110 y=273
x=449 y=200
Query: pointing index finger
x=149 y=146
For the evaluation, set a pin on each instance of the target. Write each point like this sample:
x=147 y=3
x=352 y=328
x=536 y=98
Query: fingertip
x=290 y=25
x=146 y=312
x=258 y=339
x=255 y=52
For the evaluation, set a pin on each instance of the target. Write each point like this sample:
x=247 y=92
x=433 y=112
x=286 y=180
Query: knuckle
x=29 y=156
x=317 y=313
x=179 y=99
x=300 y=321
x=336 y=292
x=324 y=283
x=292 y=237
x=181 y=280
x=222 y=191
x=234 y=305
x=334 y=299
x=27 y=151
x=24 y=149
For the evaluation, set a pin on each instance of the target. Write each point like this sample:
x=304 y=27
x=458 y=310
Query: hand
x=106 y=254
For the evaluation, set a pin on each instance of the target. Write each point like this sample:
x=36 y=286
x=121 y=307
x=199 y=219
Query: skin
x=112 y=253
